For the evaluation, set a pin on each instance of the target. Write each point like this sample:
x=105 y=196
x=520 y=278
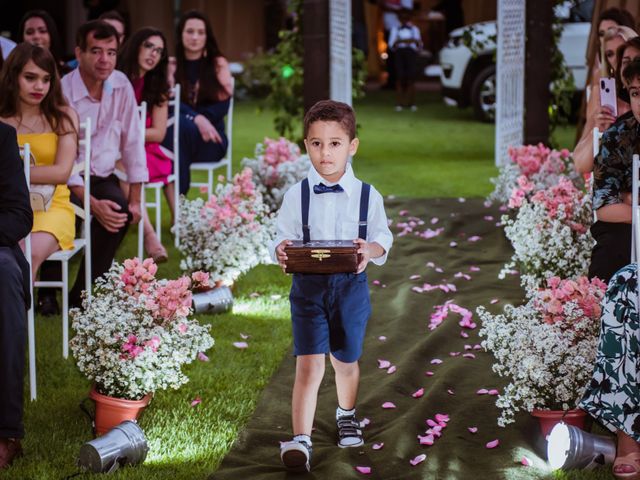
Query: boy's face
x=634 y=94
x=329 y=147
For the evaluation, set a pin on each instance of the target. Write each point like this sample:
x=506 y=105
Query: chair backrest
x=597 y=135
x=635 y=211
x=84 y=212
x=229 y=124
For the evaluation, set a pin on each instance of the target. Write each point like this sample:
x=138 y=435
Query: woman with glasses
x=144 y=61
x=206 y=82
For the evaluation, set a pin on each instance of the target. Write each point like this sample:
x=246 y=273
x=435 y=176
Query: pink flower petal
x=382 y=338
x=377 y=446
x=493 y=392
x=474 y=238
x=364 y=470
x=383 y=363
x=418 y=393
x=464 y=334
x=482 y=391
x=195 y=401
x=494 y=301
x=376 y=282
x=451 y=392
x=436 y=361
x=493 y=444
x=434 y=220
x=426 y=440
x=462 y=199
x=473 y=268
x=414 y=277
x=364 y=422
x=388 y=405
x=391 y=369
x=453 y=244
x=241 y=345
x=431 y=423
x=244 y=336
x=429 y=373
x=469 y=355
x=419 y=459
x=439 y=270
x=472 y=429
x=526 y=461
x=202 y=357
x=477 y=347
x=441 y=417
x=454 y=354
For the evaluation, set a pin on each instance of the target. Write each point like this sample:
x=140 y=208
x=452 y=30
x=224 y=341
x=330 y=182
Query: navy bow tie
x=322 y=188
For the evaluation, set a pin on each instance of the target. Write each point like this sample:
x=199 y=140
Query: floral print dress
x=613 y=395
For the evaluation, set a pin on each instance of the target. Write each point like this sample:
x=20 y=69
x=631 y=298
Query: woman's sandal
x=630 y=460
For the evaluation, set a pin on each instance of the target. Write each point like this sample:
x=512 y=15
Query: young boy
x=405 y=41
x=329 y=312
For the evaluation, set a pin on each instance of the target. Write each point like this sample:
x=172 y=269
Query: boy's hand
x=364 y=250
x=281 y=255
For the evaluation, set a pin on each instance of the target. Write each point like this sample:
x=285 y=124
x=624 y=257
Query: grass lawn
x=435 y=152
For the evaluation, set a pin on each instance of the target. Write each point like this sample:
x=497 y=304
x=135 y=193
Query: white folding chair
x=209 y=167
x=142 y=119
x=83 y=243
x=175 y=176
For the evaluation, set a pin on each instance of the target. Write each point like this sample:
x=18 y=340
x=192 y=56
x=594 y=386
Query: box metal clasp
x=320 y=254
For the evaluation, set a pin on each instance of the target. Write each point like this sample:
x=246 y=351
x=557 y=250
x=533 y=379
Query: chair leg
x=229 y=169
x=158 y=215
x=143 y=206
x=210 y=183
x=33 y=388
x=65 y=309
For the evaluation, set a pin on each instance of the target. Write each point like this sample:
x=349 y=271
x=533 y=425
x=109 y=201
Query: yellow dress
x=60 y=219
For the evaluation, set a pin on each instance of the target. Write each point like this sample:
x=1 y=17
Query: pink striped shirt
x=114 y=123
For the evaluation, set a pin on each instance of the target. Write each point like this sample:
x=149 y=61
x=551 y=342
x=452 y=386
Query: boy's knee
x=345 y=368
x=310 y=367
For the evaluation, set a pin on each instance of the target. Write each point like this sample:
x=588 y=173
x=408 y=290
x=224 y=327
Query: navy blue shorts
x=330 y=314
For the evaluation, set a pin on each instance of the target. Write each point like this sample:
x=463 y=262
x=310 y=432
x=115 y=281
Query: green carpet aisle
x=471 y=246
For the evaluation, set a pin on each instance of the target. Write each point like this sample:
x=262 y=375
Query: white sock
x=340 y=412
x=302 y=438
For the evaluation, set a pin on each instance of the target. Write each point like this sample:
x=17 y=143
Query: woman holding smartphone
x=598 y=113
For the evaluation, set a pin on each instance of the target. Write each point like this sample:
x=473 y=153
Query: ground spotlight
x=125 y=444
x=569 y=447
x=216 y=300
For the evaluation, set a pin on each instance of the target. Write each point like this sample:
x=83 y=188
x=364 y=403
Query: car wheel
x=483 y=94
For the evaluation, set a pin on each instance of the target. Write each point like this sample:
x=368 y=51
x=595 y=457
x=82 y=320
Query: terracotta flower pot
x=111 y=411
x=549 y=418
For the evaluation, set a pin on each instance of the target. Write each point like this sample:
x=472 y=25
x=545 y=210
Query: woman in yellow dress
x=32 y=102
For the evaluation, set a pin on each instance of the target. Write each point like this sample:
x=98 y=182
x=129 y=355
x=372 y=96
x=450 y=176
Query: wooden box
x=322 y=256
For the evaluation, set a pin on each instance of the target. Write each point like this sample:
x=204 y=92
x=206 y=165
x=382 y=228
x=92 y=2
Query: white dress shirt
x=333 y=216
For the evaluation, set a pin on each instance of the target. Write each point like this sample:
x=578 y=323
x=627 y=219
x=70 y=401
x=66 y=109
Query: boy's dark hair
x=331 y=111
x=620 y=16
x=101 y=31
x=631 y=71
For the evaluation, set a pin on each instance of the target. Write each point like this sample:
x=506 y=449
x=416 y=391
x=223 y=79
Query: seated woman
x=613 y=395
x=144 y=61
x=38 y=28
x=31 y=101
x=206 y=82
x=612 y=186
x=597 y=115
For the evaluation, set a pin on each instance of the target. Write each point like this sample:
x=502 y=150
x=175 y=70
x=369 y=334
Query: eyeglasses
x=157 y=50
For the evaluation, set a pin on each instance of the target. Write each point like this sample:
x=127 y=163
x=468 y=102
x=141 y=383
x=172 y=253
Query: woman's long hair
x=156 y=86
x=56 y=46
x=52 y=105
x=209 y=87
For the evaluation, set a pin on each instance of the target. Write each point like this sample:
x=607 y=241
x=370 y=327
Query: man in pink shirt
x=97 y=91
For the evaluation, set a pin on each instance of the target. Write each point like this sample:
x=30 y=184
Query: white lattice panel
x=340 y=50
x=510 y=77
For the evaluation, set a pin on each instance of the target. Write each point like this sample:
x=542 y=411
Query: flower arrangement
x=135 y=335
x=550 y=235
x=546 y=347
x=228 y=234
x=532 y=168
x=277 y=166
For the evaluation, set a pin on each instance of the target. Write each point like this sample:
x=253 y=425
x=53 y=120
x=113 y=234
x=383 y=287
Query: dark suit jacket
x=16 y=217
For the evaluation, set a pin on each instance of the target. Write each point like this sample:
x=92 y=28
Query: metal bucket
x=125 y=444
x=216 y=300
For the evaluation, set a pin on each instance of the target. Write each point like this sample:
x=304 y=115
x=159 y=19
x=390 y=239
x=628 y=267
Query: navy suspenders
x=364 y=210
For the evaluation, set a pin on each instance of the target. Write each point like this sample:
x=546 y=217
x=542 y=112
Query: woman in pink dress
x=144 y=60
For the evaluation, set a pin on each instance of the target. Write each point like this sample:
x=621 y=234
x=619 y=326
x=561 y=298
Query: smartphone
x=608 y=94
